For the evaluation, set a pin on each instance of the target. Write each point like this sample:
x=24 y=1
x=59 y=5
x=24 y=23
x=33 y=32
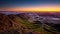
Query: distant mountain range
x=51 y=14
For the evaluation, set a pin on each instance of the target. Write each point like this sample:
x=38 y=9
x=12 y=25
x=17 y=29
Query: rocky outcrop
x=9 y=25
x=13 y=24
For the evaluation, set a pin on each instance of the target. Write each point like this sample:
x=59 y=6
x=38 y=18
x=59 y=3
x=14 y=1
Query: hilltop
x=22 y=24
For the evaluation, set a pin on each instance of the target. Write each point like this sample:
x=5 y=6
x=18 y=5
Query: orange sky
x=44 y=8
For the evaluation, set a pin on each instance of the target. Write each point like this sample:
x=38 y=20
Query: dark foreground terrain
x=25 y=23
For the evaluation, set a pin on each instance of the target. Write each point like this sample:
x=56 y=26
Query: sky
x=30 y=5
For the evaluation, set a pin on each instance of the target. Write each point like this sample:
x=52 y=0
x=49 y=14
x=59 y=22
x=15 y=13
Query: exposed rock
x=10 y=24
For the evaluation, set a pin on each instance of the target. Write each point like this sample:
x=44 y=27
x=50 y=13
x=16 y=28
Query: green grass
x=26 y=23
x=33 y=26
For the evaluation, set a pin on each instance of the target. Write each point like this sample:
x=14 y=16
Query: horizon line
x=29 y=11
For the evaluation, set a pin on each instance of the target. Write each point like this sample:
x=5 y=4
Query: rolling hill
x=20 y=24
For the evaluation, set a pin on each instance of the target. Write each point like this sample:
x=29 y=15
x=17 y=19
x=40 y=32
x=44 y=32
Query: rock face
x=18 y=24
x=4 y=22
x=9 y=25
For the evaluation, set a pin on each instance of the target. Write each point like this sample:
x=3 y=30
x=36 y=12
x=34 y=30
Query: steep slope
x=6 y=25
x=19 y=24
x=28 y=27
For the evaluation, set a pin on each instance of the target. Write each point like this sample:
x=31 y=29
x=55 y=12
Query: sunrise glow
x=45 y=8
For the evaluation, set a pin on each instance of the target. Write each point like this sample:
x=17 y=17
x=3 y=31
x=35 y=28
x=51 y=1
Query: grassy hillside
x=13 y=24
